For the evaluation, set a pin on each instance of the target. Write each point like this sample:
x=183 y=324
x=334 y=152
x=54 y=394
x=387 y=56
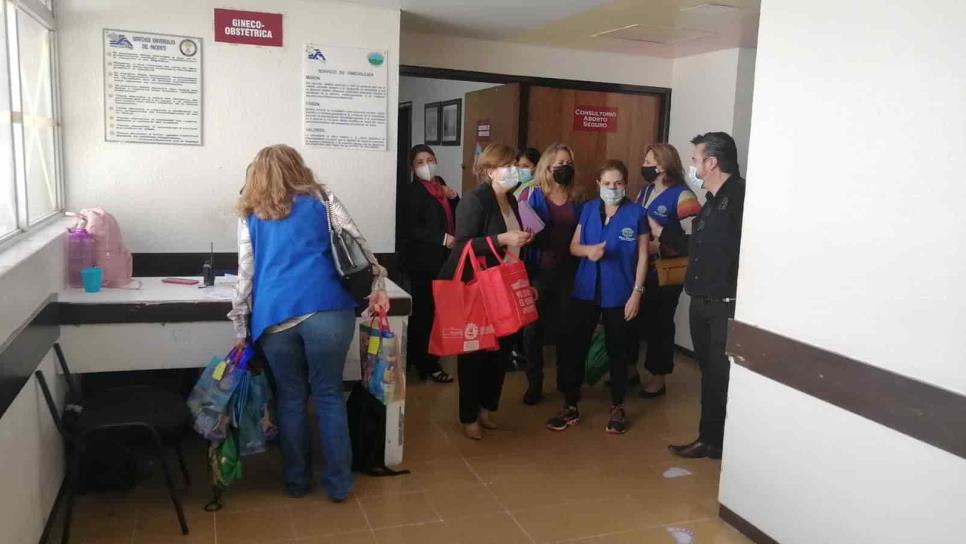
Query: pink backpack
x=110 y=255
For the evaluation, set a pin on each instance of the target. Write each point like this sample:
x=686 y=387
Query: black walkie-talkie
x=208 y=270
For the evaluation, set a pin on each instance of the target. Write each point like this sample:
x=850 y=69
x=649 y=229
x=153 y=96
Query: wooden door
x=490 y=116
x=552 y=119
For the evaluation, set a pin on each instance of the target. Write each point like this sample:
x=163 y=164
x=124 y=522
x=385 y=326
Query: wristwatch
x=639 y=289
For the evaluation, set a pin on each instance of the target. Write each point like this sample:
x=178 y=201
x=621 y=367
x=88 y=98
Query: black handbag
x=350 y=259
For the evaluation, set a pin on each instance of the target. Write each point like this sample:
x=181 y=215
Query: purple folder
x=529 y=219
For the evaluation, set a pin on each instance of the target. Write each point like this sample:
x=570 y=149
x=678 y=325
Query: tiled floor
x=521 y=484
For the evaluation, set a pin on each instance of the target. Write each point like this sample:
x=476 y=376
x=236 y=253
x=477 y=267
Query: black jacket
x=478 y=218
x=714 y=246
x=424 y=226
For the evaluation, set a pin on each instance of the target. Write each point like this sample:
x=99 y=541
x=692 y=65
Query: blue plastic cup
x=91 y=278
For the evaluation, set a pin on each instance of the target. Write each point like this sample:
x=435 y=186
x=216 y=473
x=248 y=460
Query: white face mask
x=612 y=195
x=693 y=179
x=507 y=176
x=426 y=171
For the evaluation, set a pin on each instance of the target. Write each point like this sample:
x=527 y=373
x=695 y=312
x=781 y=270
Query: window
x=31 y=184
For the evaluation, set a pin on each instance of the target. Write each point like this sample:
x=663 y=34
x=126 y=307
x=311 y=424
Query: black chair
x=160 y=417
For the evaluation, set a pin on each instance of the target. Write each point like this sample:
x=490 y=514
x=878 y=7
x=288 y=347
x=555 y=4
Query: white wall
x=709 y=92
x=421 y=91
x=177 y=198
x=854 y=179
x=531 y=60
x=31 y=450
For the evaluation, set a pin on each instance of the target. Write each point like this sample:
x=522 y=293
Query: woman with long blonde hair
x=666 y=200
x=548 y=258
x=291 y=301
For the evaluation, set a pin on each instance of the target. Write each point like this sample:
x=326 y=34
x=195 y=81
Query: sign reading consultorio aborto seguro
x=595 y=119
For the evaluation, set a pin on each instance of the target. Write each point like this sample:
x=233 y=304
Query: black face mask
x=649 y=173
x=564 y=175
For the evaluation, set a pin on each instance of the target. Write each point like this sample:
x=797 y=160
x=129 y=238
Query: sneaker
x=617 y=423
x=568 y=417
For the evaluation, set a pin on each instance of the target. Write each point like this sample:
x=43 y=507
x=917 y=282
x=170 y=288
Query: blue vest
x=619 y=264
x=294 y=271
x=664 y=208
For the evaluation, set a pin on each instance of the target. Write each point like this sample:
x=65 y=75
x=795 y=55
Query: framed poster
x=451 y=120
x=431 y=124
x=345 y=97
x=152 y=88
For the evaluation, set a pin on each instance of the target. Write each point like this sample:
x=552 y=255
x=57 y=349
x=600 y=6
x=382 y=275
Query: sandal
x=440 y=376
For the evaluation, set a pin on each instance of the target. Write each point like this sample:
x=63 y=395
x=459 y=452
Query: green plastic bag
x=226 y=468
x=597 y=363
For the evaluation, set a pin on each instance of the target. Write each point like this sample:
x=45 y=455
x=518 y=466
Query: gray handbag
x=349 y=258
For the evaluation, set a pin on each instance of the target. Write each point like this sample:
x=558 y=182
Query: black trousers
x=583 y=317
x=420 y=323
x=480 y=377
x=709 y=332
x=657 y=324
x=553 y=291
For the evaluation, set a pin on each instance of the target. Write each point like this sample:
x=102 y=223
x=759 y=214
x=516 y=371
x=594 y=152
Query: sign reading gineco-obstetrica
x=248 y=27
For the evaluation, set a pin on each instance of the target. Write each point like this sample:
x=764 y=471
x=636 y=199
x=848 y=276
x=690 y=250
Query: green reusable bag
x=597 y=363
x=226 y=468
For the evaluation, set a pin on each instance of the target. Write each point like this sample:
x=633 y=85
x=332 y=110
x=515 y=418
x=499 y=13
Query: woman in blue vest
x=548 y=258
x=611 y=243
x=291 y=300
x=667 y=200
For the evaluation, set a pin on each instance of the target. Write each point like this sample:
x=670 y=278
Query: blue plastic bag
x=253 y=413
x=210 y=397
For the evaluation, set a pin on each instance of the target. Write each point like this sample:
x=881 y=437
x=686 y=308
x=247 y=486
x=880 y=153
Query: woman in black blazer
x=429 y=230
x=489 y=211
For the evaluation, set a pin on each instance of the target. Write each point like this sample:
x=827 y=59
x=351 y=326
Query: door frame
x=663 y=93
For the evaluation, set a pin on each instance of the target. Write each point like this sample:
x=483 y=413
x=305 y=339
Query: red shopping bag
x=507 y=294
x=460 y=324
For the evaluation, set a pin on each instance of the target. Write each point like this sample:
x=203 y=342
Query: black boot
x=534 y=393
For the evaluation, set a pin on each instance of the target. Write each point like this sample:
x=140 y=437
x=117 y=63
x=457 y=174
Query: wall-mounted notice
x=345 y=97
x=248 y=27
x=483 y=130
x=595 y=119
x=152 y=88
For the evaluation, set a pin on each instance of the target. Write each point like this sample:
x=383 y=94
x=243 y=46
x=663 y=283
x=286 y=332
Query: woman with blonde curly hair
x=291 y=301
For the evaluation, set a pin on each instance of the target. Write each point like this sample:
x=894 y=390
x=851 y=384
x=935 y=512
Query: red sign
x=483 y=130
x=248 y=27
x=595 y=119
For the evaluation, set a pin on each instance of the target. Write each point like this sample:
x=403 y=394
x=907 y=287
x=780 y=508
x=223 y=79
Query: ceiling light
x=652 y=34
x=711 y=9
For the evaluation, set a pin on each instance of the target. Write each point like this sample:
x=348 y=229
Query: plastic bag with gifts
x=380 y=348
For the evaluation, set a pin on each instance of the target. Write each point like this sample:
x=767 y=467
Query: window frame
x=44 y=16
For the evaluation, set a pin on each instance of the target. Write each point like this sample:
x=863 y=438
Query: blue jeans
x=307 y=361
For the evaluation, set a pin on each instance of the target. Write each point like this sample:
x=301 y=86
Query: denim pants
x=307 y=362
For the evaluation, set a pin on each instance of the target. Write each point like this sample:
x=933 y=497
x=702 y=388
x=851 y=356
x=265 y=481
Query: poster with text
x=152 y=88
x=345 y=97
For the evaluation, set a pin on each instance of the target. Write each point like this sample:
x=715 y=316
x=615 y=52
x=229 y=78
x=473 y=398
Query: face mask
x=427 y=171
x=507 y=176
x=526 y=175
x=693 y=179
x=612 y=195
x=564 y=175
x=649 y=173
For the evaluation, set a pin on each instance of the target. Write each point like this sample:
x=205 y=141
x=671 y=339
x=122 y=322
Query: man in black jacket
x=712 y=278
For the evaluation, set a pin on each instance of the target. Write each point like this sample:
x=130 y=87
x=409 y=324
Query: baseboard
x=52 y=515
x=744 y=526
